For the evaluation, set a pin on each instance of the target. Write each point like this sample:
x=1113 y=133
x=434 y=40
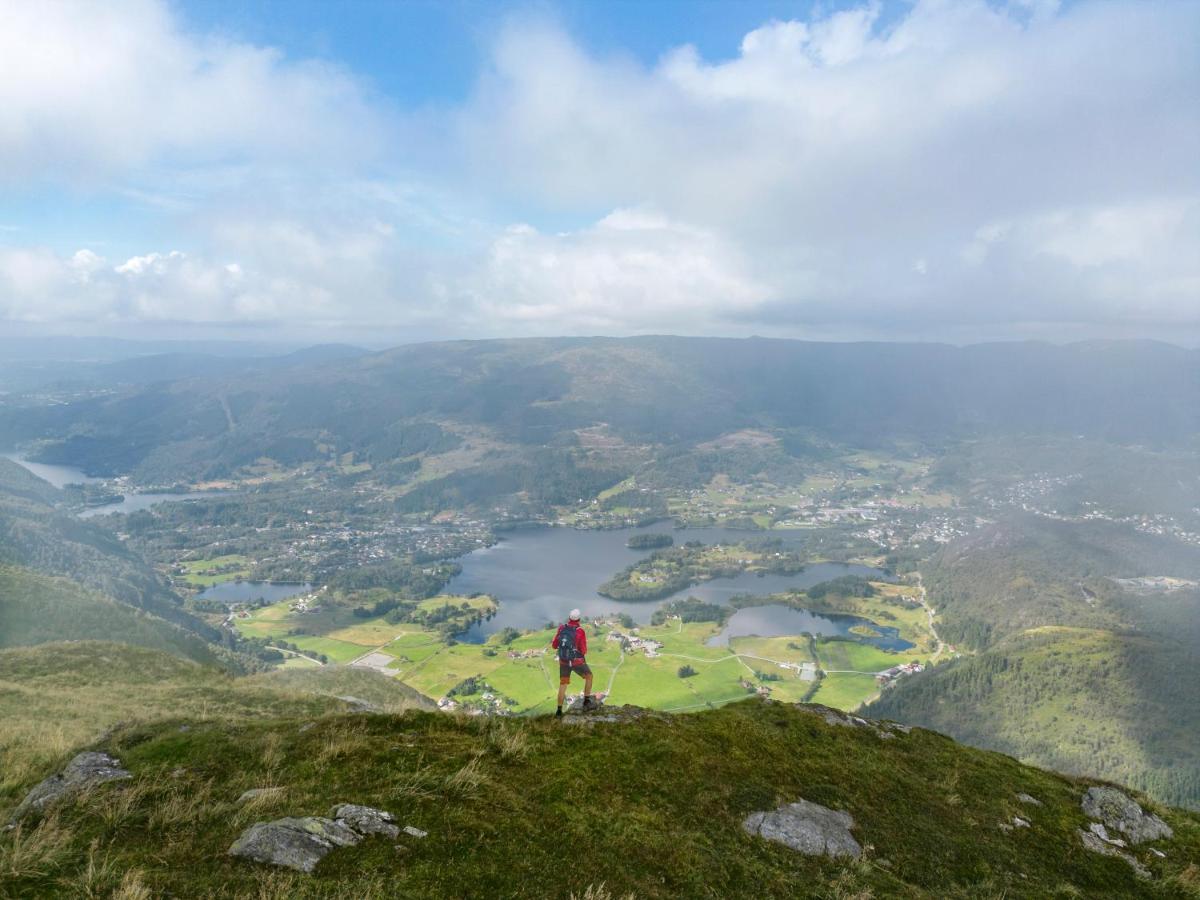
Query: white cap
x=575 y=615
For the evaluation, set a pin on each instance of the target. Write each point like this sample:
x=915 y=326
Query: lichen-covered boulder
x=84 y=771
x=808 y=828
x=1120 y=812
x=365 y=820
x=294 y=843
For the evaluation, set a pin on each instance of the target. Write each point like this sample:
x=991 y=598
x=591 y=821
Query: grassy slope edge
x=649 y=806
x=58 y=696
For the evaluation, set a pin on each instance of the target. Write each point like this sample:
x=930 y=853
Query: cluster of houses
x=750 y=687
x=632 y=643
x=527 y=654
x=488 y=704
x=887 y=676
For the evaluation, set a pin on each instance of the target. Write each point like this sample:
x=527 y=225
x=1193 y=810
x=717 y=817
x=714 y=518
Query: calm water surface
x=773 y=621
x=61 y=476
x=231 y=592
x=539 y=574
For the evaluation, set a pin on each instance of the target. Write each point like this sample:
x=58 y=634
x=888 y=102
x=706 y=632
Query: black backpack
x=567 y=650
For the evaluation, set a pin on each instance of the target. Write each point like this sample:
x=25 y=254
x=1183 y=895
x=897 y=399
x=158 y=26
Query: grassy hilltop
x=648 y=805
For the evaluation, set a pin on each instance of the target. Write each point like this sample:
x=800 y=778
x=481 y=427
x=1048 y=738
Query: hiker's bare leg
x=562 y=693
x=587 y=685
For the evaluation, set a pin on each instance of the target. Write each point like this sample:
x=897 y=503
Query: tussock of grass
x=32 y=851
x=599 y=892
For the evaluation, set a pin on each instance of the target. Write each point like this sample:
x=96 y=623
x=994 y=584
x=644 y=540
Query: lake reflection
x=230 y=592
x=773 y=621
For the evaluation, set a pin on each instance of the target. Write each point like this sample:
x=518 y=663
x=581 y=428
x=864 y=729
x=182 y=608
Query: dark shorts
x=579 y=667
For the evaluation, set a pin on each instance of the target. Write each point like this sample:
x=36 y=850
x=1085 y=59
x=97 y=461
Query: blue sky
x=937 y=169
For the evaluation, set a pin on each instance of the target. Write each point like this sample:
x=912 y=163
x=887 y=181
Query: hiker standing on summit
x=571 y=644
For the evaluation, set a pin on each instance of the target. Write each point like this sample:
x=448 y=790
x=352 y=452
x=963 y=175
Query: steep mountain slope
x=628 y=804
x=662 y=389
x=1077 y=673
x=36 y=609
x=1122 y=706
x=36 y=535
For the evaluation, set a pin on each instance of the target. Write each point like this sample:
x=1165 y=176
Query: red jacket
x=580 y=638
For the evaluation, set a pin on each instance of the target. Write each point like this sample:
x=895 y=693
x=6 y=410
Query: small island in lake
x=668 y=571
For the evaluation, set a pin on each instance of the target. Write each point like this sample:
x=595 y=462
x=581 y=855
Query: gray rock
x=1121 y=813
x=294 y=843
x=1093 y=843
x=1032 y=801
x=1101 y=832
x=85 y=771
x=365 y=820
x=1018 y=822
x=882 y=729
x=807 y=828
x=415 y=832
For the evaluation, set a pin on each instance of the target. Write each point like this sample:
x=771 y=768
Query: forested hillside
x=1077 y=672
x=658 y=389
x=36 y=535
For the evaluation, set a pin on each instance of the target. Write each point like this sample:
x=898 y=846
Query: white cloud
x=92 y=89
x=967 y=165
x=833 y=153
x=633 y=270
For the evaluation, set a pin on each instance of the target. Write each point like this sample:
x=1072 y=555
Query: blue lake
x=774 y=621
x=231 y=592
x=539 y=574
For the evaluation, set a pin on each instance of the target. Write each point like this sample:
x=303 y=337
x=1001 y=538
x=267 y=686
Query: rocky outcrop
x=84 y=771
x=1119 y=812
x=300 y=843
x=881 y=728
x=294 y=843
x=576 y=715
x=365 y=820
x=1097 y=844
x=807 y=828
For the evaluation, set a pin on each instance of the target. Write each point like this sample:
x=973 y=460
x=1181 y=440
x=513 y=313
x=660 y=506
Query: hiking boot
x=589 y=703
x=558 y=713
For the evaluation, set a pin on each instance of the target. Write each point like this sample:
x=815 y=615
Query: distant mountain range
x=662 y=390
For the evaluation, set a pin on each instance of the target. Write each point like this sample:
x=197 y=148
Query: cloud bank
x=965 y=168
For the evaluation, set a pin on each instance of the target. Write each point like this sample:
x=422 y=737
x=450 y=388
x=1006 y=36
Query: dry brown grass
x=600 y=892
x=468 y=781
x=1189 y=880
x=132 y=887
x=187 y=803
x=120 y=804
x=342 y=742
x=509 y=742
x=98 y=878
x=272 y=750
x=29 y=852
